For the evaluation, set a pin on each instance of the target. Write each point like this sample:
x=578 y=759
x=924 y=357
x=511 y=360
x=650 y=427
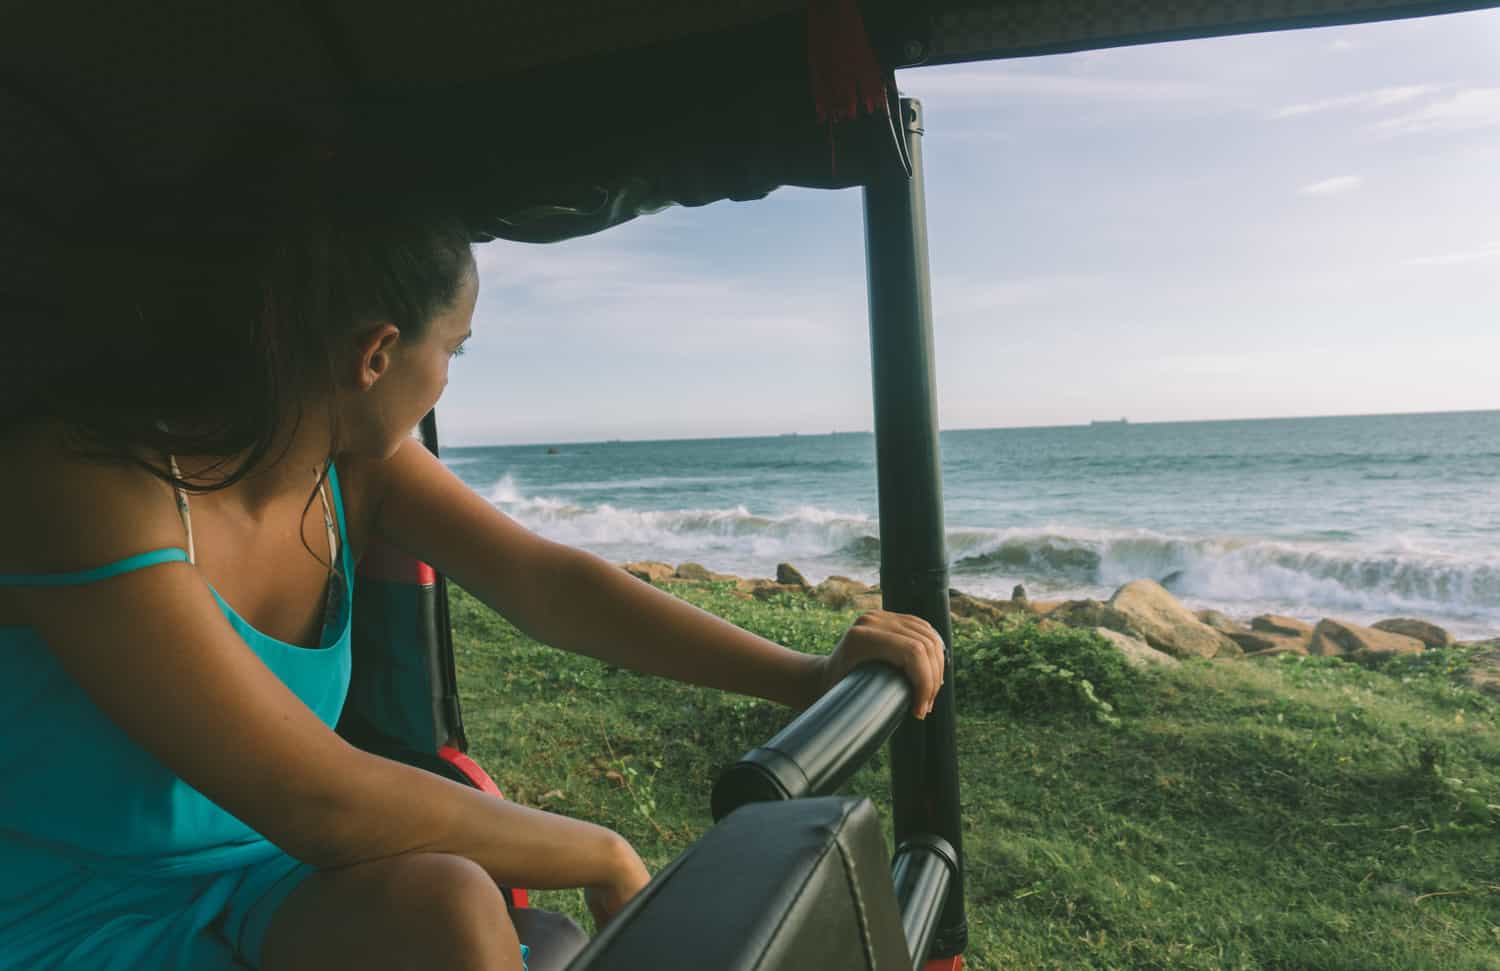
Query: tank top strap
x=341 y=533
x=128 y=565
x=333 y=523
x=183 y=512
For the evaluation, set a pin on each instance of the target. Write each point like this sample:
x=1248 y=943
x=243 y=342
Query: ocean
x=1359 y=518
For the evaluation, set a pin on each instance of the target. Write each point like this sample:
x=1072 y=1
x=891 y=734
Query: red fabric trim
x=384 y=562
x=955 y=963
x=482 y=782
x=470 y=769
x=846 y=78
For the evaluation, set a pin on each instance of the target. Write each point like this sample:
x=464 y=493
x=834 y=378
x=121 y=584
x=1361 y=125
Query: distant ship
x=1109 y=421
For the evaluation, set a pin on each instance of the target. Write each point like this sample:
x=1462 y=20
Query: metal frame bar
x=823 y=746
x=443 y=627
x=913 y=554
x=922 y=871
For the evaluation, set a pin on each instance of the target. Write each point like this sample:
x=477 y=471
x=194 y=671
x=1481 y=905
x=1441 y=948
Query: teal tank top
x=77 y=796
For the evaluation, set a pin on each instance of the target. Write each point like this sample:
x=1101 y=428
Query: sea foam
x=1240 y=574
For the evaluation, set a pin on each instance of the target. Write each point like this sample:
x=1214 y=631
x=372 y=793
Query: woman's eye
x=457 y=351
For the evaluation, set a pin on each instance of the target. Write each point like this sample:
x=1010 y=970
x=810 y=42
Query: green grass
x=1294 y=813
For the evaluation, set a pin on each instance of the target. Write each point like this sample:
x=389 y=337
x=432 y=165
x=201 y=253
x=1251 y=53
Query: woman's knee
x=450 y=895
x=416 y=910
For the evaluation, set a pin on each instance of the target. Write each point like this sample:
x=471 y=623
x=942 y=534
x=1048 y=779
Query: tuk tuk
x=547 y=121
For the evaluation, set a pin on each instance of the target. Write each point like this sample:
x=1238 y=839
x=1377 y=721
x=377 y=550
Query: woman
x=181 y=521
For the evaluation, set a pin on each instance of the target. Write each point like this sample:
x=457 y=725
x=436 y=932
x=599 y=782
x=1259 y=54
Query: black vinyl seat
x=776 y=886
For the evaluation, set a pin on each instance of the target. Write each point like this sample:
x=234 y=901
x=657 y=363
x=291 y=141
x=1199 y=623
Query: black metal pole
x=442 y=630
x=817 y=752
x=922 y=871
x=913 y=554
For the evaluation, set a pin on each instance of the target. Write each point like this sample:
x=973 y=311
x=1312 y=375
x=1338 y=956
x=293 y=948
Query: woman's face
x=408 y=376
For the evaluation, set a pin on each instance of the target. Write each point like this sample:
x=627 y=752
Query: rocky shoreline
x=1142 y=619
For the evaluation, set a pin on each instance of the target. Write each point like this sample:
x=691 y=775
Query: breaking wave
x=1230 y=570
x=1322 y=572
x=807 y=531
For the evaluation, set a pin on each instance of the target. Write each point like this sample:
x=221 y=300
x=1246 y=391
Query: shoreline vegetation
x=1143 y=786
x=1142 y=619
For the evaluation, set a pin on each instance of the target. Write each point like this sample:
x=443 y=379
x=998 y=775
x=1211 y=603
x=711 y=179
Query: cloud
x=976 y=136
x=1378 y=98
x=1334 y=186
x=961 y=296
x=990 y=82
x=1464 y=110
x=1342 y=45
x=1489 y=252
x=616 y=291
x=587 y=272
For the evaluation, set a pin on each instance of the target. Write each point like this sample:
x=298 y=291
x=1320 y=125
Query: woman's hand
x=906 y=643
x=628 y=875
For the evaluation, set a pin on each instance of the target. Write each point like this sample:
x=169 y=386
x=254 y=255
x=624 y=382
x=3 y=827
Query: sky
x=1297 y=223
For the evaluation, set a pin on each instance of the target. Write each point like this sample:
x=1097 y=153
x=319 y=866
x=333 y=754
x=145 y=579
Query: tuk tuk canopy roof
x=538 y=120
x=974 y=31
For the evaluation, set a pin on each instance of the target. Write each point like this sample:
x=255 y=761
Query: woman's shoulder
x=62 y=510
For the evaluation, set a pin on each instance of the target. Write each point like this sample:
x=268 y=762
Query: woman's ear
x=375 y=347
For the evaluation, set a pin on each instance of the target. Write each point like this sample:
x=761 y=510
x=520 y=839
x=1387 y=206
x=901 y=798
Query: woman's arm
x=154 y=651
x=579 y=602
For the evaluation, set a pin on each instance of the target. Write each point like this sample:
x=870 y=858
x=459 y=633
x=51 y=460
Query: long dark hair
x=198 y=320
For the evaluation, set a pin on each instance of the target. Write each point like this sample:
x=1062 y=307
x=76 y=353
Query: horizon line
x=972 y=428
